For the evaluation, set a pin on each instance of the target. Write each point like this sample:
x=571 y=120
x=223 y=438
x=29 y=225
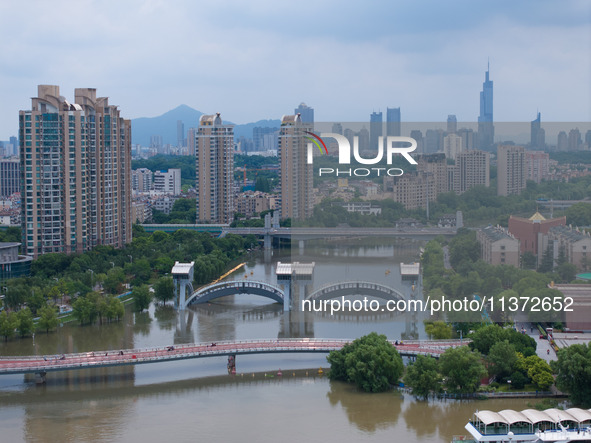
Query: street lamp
x=460 y=331
x=112 y=264
x=130 y=259
x=91 y=279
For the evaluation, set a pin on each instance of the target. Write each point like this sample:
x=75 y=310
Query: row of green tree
x=59 y=278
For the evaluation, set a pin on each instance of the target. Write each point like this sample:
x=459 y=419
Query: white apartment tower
x=214 y=163
x=75 y=173
x=295 y=174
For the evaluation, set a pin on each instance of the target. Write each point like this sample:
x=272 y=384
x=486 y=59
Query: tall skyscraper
x=191 y=139
x=562 y=141
x=393 y=122
x=306 y=113
x=486 y=130
x=375 y=129
x=214 y=162
x=75 y=173
x=574 y=139
x=180 y=133
x=511 y=169
x=538 y=135
x=295 y=174
x=452 y=124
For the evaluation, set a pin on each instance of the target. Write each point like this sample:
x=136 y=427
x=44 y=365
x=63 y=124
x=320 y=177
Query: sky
x=256 y=59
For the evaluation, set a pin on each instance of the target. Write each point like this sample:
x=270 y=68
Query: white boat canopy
x=532 y=416
x=488 y=417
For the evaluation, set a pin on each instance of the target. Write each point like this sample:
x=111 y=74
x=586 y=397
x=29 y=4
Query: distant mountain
x=165 y=125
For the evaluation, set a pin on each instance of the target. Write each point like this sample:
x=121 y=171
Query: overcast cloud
x=260 y=59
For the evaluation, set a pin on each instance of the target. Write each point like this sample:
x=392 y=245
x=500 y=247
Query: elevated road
x=126 y=357
x=306 y=233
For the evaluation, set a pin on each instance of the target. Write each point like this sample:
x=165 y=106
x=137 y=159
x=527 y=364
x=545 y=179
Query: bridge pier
x=268 y=242
x=232 y=364
x=40 y=378
x=182 y=274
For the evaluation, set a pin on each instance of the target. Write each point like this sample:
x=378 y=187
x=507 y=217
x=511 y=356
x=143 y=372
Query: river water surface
x=196 y=400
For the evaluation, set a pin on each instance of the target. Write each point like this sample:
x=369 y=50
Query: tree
x=115 y=277
x=518 y=380
x=84 y=309
x=438 y=330
x=26 y=325
x=573 y=370
x=48 y=318
x=462 y=369
x=370 y=362
x=501 y=358
x=8 y=324
x=484 y=338
x=423 y=376
x=141 y=297
x=547 y=264
x=528 y=260
x=567 y=272
x=115 y=309
x=541 y=375
x=164 y=289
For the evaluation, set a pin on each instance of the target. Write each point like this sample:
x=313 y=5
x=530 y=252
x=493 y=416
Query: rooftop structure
x=553 y=425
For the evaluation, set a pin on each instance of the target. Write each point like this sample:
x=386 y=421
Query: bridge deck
x=125 y=357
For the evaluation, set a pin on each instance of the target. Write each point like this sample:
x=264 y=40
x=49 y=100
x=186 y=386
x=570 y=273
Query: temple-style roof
x=537 y=217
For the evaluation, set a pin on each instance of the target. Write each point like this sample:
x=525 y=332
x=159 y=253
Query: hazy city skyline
x=260 y=59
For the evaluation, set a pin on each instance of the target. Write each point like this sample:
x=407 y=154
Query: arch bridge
x=343 y=289
x=223 y=289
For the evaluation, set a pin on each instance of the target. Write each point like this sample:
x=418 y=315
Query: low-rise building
x=12 y=264
x=576 y=245
x=498 y=246
x=254 y=202
x=164 y=204
x=363 y=207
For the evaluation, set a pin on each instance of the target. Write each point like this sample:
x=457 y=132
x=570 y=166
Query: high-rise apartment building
x=295 y=174
x=472 y=168
x=486 y=131
x=436 y=166
x=214 y=161
x=142 y=180
x=452 y=146
x=191 y=140
x=10 y=180
x=75 y=173
x=511 y=169
x=537 y=164
x=393 y=122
